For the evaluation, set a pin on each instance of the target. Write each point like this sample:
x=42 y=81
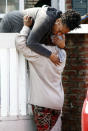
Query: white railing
x=13 y=79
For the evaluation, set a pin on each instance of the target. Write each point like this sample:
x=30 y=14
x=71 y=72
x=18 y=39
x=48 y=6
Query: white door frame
x=58 y=4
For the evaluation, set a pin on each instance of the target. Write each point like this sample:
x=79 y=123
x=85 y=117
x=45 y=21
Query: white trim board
x=82 y=30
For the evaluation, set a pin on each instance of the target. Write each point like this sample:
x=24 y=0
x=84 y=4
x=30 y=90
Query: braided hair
x=71 y=18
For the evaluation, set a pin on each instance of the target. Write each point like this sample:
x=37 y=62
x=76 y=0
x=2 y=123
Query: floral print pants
x=45 y=118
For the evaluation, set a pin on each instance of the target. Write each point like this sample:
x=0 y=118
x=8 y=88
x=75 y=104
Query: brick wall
x=75 y=80
x=30 y=3
x=68 y=4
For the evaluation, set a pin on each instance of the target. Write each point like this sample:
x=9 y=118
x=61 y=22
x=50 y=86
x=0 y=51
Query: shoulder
x=53 y=14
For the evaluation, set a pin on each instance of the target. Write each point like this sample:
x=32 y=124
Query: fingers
x=60 y=37
x=63 y=36
x=60 y=42
x=55 y=40
x=57 y=63
x=54 y=58
x=27 y=20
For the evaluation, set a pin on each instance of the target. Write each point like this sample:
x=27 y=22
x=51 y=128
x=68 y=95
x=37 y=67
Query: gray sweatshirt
x=46 y=89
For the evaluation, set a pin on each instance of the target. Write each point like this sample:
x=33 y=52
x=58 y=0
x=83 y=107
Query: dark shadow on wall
x=43 y=2
x=75 y=80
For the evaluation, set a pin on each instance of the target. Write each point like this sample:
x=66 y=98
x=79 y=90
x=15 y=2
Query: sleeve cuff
x=25 y=30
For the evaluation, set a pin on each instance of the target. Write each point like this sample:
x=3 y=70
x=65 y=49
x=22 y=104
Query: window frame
x=21 y=7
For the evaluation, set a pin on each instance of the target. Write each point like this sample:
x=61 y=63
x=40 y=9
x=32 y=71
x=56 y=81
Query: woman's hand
x=54 y=58
x=27 y=20
x=59 y=41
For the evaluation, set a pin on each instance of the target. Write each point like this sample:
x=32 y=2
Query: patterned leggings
x=45 y=118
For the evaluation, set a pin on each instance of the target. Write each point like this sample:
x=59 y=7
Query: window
x=80 y=5
x=10 y=5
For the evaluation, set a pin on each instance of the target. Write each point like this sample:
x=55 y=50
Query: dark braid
x=71 y=18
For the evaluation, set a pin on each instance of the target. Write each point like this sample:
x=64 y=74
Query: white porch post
x=21 y=5
x=58 y=4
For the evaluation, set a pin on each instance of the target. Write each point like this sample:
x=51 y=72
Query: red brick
x=69 y=7
x=65 y=78
x=68 y=1
x=70 y=73
x=82 y=67
x=83 y=49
